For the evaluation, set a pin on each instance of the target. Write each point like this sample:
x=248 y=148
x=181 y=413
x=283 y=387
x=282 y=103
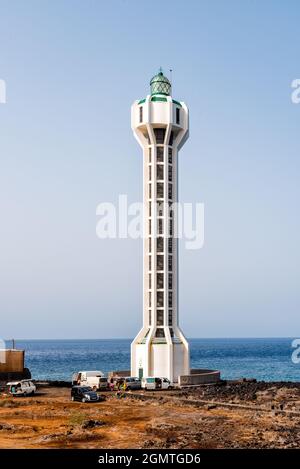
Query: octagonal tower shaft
x=160 y=125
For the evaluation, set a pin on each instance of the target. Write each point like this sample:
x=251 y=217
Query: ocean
x=263 y=359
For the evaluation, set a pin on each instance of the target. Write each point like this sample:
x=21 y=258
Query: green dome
x=160 y=84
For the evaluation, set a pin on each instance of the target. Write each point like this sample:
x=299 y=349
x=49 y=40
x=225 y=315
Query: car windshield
x=86 y=389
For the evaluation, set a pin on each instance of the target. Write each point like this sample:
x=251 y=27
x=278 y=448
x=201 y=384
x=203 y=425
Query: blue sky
x=72 y=70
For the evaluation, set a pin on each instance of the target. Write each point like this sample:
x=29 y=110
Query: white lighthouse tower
x=160 y=124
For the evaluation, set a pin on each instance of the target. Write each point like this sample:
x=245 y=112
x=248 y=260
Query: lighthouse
x=161 y=126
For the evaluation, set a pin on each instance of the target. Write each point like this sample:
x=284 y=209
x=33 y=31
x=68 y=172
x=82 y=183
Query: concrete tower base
x=160 y=357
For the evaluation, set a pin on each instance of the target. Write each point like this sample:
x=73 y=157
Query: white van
x=88 y=378
x=151 y=383
x=24 y=387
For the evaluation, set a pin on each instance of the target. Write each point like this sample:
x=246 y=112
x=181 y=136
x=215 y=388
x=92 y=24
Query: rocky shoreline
x=232 y=414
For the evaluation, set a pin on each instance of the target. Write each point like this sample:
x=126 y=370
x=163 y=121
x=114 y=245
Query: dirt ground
x=257 y=416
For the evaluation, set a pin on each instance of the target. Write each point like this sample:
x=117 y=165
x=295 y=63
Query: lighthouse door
x=140 y=373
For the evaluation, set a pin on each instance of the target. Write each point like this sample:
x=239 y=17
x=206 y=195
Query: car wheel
x=83 y=399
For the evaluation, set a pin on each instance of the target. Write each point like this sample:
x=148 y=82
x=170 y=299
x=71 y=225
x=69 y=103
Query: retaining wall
x=199 y=376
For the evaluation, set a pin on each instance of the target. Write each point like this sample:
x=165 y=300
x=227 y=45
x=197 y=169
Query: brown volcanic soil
x=171 y=419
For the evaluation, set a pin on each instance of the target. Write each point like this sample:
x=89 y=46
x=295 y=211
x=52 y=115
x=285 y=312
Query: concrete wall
x=198 y=377
x=11 y=361
x=200 y=371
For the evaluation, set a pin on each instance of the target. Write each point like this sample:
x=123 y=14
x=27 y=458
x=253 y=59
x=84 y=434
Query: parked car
x=84 y=394
x=127 y=383
x=88 y=378
x=103 y=384
x=132 y=383
x=152 y=383
x=24 y=387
